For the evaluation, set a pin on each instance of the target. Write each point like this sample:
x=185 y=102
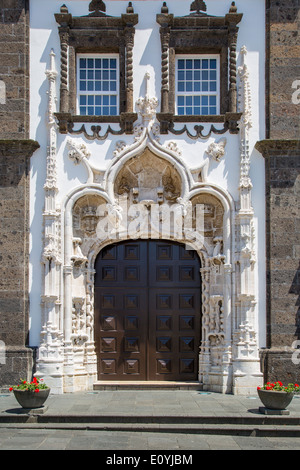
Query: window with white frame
x=98 y=84
x=197 y=85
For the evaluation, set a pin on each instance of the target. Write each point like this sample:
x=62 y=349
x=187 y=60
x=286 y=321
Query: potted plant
x=276 y=396
x=31 y=394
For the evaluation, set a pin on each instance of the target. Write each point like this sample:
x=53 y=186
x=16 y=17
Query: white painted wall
x=147 y=58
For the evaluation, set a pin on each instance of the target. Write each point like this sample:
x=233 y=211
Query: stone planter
x=275 y=400
x=30 y=400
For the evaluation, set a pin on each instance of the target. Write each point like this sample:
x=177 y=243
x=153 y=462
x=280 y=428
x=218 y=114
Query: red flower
x=36 y=390
x=35 y=380
x=280 y=383
x=296 y=385
x=258 y=388
x=24 y=382
x=269 y=388
x=11 y=389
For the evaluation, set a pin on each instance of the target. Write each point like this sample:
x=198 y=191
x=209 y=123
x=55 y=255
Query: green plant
x=279 y=387
x=35 y=386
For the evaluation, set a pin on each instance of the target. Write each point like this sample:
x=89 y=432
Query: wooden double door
x=147 y=311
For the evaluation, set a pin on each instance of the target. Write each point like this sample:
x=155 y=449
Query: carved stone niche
x=85 y=218
x=148 y=179
x=95 y=33
x=208 y=215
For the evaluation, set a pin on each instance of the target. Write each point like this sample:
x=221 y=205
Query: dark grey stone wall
x=15 y=152
x=282 y=154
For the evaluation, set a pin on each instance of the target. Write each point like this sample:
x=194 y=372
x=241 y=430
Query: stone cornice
x=18 y=147
x=269 y=146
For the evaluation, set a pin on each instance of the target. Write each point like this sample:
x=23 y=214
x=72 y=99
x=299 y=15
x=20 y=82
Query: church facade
x=149 y=193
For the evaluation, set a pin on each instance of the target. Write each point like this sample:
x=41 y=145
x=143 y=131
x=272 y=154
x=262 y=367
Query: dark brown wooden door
x=147 y=311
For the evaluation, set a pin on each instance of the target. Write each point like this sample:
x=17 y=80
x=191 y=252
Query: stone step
x=22 y=417
x=212 y=429
x=146 y=385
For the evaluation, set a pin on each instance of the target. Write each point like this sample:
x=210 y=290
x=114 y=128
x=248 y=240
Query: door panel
x=147 y=311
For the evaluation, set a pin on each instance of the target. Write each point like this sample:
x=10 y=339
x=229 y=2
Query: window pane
x=189 y=75
x=189 y=86
x=197 y=64
x=113 y=63
x=98 y=76
x=213 y=86
x=197 y=86
x=181 y=86
x=204 y=86
x=205 y=63
x=181 y=63
x=196 y=80
x=213 y=63
x=113 y=86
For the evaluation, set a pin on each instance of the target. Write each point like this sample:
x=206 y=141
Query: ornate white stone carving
x=216 y=150
x=147 y=105
x=50 y=356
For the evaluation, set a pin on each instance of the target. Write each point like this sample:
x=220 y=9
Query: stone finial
x=64 y=9
x=164 y=8
x=97 y=6
x=130 y=9
x=233 y=8
x=198 y=5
